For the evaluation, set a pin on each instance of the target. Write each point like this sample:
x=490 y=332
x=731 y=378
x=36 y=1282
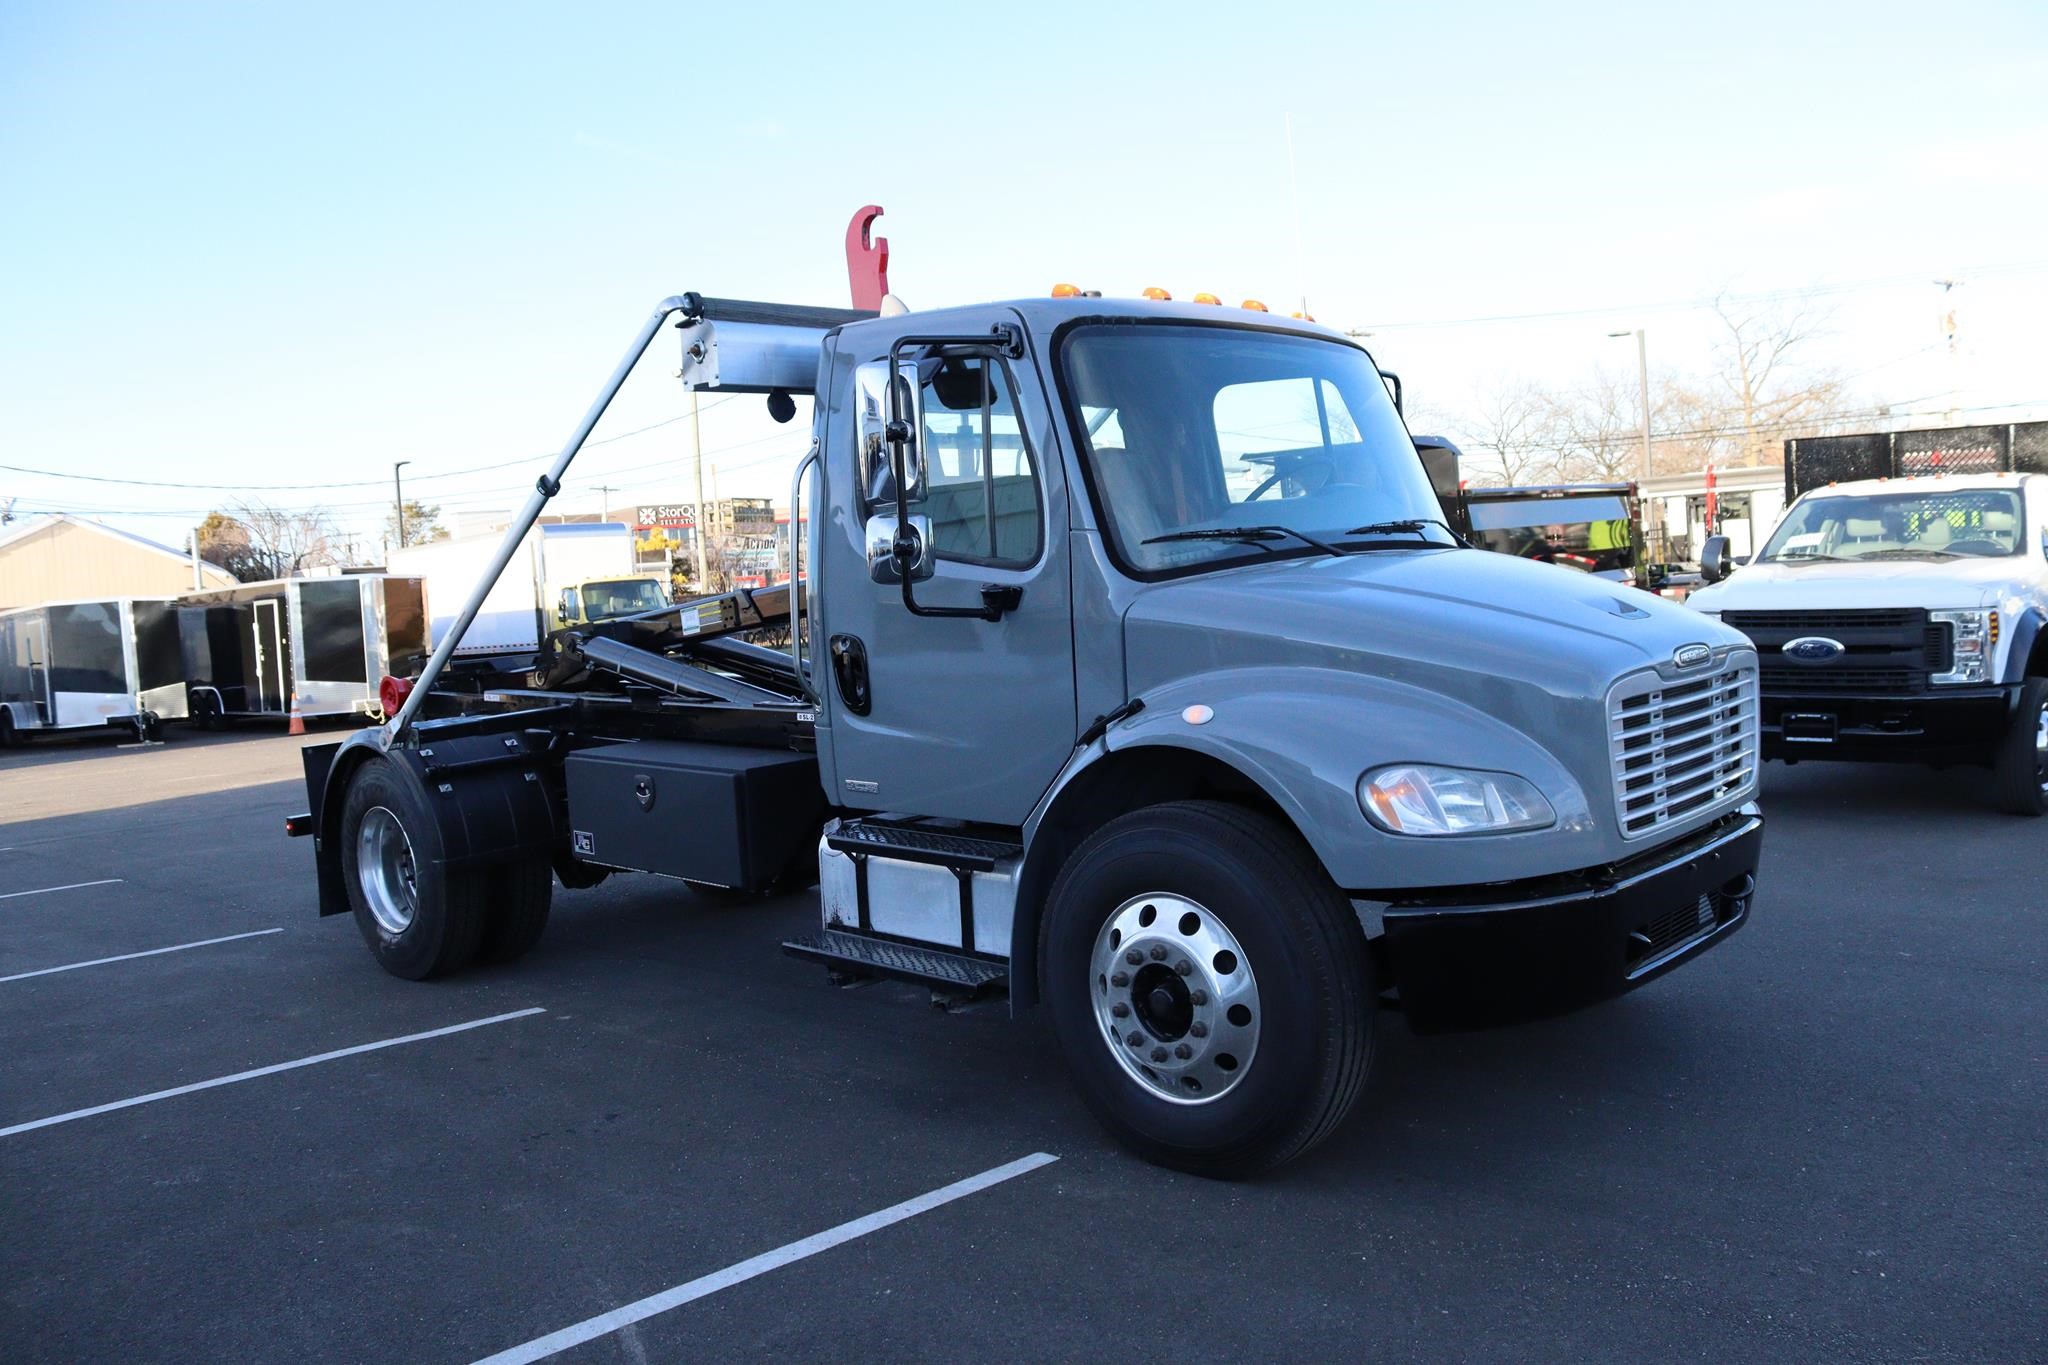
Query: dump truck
x=1130 y=675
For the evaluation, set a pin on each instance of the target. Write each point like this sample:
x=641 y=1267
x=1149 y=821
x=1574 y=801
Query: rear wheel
x=1210 y=987
x=8 y=737
x=519 y=897
x=420 y=919
x=2021 y=769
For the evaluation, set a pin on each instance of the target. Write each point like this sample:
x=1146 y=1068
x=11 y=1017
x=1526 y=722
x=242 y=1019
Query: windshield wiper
x=1411 y=525
x=1906 y=552
x=1250 y=535
x=1804 y=559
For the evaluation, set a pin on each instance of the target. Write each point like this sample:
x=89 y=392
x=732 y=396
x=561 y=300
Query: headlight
x=1410 y=798
x=1973 y=633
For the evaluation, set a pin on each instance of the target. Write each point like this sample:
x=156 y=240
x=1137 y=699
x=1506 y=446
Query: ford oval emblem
x=1814 y=649
x=1691 y=656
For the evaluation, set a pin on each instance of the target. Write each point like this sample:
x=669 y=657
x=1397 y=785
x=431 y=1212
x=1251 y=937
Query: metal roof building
x=62 y=558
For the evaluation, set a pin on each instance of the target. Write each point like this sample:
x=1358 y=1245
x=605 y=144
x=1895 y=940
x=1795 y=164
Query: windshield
x=1943 y=524
x=620 y=597
x=1189 y=428
x=1590 y=532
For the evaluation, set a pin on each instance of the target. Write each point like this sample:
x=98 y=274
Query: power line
x=352 y=483
x=1672 y=305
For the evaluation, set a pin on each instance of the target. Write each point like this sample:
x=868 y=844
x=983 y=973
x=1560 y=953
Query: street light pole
x=398 y=498
x=1643 y=379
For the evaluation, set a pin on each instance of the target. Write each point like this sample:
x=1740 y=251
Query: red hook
x=867 y=259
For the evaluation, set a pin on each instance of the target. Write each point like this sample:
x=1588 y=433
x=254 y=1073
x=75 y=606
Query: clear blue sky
x=285 y=243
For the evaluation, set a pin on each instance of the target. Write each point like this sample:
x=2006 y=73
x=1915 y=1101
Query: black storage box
x=716 y=813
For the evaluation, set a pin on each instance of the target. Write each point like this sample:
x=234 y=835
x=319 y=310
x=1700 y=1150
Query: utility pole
x=605 y=490
x=697 y=518
x=398 y=496
x=1948 y=327
x=197 y=581
x=1643 y=379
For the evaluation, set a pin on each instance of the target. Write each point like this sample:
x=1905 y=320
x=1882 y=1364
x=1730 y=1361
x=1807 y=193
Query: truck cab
x=1901 y=619
x=1131 y=674
x=600 y=599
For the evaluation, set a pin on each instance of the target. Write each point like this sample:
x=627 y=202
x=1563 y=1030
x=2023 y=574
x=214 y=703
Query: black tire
x=449 y=910
x=1301 y=939
x=2020 y=772
x=517 y=913
x=8 y=737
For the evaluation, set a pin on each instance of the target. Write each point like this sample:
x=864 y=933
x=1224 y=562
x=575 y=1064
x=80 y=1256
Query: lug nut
x=1159 y=952
x=1158 y=1054
x=1199 y=1029
x=1119 y=978
x=1198 y=997
x=1136 y=1039
x=1134 y=957
x=1120 y=1010
x=1183 y=1051
x=1183 y=967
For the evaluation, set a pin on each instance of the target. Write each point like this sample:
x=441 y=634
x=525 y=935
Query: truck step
x=915 y=844
x=955 y=972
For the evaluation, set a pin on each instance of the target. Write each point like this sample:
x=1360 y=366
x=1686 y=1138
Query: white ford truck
x=1901 y=619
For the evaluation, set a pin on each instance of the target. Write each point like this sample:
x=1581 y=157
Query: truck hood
x=1508 y=635
x=1933 y=584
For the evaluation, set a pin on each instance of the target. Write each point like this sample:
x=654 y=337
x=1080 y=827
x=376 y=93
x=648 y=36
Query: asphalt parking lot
x=1823 y=1139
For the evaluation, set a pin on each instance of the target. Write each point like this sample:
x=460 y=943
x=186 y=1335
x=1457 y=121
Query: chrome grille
x=1682 y=748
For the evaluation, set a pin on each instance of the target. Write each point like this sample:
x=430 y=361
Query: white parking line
x=265 y=1071
x=590 y=1329
x=129 y=957
x=68 y=886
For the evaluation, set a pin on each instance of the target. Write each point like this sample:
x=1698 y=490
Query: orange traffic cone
x=298 y=725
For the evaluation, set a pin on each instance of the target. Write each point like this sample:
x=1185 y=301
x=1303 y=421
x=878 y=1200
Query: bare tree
x=1598 y=429
x=256 y=541
x=1763 y=395
x=1516 y=424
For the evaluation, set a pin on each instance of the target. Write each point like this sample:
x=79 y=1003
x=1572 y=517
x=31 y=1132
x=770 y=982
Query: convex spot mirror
x=877 y=457
x=1714 y=562
x=883 y=566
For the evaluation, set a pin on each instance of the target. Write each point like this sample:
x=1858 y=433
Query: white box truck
x=563 y=575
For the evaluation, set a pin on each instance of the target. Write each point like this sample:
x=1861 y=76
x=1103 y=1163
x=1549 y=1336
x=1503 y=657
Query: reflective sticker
x=1197 y=714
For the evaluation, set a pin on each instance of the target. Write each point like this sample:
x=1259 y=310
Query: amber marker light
x=1253 y=305
x=1066 y=291
x=1209 y=299
x=1155 y=292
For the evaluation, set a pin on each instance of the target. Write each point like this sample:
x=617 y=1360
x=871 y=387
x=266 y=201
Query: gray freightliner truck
x=1130 y=673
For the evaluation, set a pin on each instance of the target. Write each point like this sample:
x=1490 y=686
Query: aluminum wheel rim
x=1175 y=998
x=2041 y=747
x=385 y=870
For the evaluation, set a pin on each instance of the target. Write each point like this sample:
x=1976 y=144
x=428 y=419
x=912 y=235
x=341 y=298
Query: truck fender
x=1297 y=741
x=489 y=792
x=2027 y=653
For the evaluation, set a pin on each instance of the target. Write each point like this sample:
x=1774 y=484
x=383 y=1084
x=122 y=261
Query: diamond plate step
x=929 y=966
x=910 y=844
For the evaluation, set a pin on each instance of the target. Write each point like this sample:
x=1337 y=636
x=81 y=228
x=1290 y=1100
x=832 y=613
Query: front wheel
x=1210 y=987
x=2021 y=769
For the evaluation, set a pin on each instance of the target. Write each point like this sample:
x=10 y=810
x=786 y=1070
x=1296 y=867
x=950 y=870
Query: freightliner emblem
x=1691 y=656
x=1813 y=649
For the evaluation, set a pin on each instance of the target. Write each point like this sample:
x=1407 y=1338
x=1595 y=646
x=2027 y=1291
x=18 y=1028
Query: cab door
x=948 y=716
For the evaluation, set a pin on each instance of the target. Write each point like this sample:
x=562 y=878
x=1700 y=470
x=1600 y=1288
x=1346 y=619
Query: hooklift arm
x=701 y=369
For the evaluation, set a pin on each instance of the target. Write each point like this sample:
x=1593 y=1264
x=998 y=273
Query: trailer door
x=267 y=632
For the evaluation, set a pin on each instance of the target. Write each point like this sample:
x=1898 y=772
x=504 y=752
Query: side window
x=983 y=498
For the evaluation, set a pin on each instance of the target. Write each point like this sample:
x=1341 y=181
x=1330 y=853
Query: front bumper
x=1489 y=954
x=1962 y=722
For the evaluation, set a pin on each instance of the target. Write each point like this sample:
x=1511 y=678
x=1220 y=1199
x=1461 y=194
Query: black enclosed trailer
x=252 y=649
x=86 y=665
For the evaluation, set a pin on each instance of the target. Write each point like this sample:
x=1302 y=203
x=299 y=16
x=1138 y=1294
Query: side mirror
x=883 y=565
x=877 y=459
x=1714 y=565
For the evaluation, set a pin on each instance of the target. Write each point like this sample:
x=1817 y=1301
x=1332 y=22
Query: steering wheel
x=1294 y=471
